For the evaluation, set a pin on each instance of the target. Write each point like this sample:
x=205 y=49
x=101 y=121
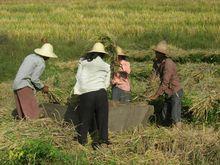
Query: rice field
x=73 y=26
x=137 y=24
x=192 y=30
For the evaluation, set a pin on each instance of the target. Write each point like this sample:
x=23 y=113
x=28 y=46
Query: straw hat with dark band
x=98 y=48
x=162 y=47
x=46 y=51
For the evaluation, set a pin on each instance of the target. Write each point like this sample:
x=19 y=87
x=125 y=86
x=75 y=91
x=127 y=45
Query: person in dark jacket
x=166 y=69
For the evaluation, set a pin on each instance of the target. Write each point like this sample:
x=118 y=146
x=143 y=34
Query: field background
x=191 y=29
x=73 y=26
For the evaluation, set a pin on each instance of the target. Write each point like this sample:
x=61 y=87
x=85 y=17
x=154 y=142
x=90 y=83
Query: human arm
x=35 y=77
x=77 y=86
x=166 y=77
x=107 y=80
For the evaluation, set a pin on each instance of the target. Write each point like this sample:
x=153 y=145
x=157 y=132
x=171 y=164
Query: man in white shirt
x=93 y=78
x=27 y=81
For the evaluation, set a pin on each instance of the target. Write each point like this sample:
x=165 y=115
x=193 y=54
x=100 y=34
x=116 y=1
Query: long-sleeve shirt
x=92 y=76
x=119 y=81
x=170 y=82
x=29 y=73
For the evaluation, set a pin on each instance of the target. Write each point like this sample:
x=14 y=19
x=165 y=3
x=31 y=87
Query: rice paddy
x=190 y=27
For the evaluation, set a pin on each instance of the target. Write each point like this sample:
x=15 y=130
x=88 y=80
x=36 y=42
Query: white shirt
x=29 y=73
x=92 y=76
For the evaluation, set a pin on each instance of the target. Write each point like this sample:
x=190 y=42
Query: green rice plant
x=36 y=151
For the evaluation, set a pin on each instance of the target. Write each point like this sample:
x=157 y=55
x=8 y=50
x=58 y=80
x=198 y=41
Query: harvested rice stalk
x=202 y=106
x=110 y=47
x=53 y=98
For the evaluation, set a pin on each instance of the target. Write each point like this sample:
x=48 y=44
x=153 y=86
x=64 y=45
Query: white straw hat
x=162 y=47
x=98 y=48
x=46 y=50
x=120 y=51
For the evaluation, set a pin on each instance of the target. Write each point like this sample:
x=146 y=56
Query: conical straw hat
x=46 y=50
x=120 y=51
x=98 y=48
x=162 y=47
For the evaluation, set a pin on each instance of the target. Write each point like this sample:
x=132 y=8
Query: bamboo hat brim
x=162 y=47
x=46 y=51
x=98 y=48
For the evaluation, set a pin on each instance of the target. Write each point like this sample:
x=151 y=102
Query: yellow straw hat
x=120 y=51
x=162 y=47
x=46 y=51
x=98 y=48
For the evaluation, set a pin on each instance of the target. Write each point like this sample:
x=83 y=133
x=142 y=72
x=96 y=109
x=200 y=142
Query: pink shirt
x=121 y=83
x=125 y=66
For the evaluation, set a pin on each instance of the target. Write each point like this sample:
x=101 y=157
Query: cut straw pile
x=202 y=84
x=149 y=145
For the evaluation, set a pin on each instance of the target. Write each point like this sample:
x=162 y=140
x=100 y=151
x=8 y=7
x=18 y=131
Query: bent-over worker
x=27 y=81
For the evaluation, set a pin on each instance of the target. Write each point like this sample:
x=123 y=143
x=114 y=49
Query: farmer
x=27 y=82
x=93 y=78
x=120 y=81
x=170 y=85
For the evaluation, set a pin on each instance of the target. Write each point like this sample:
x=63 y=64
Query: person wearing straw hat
x=27 y=81
x=170 y=85
x=120 y=81
x=92 y=81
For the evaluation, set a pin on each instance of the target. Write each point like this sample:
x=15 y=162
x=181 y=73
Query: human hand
x=45 y=89
x=153 y=97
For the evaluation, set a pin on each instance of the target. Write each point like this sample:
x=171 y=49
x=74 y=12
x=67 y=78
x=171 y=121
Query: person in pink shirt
x=121 y=84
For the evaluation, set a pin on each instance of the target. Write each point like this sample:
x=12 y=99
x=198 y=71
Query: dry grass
x=149 y=145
